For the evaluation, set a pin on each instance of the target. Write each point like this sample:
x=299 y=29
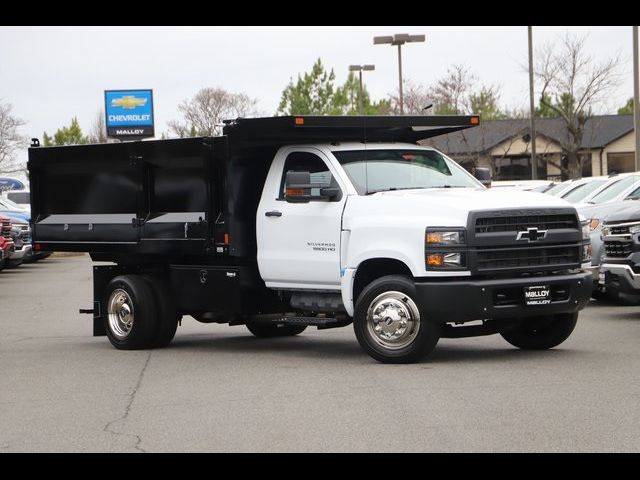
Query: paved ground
x=216 y=388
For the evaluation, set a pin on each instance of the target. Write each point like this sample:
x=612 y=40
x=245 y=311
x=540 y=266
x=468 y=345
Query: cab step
x=321 y=322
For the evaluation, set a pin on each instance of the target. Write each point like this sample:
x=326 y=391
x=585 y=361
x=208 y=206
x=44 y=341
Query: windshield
x=373 y=171
x=613 y=190
x=577 y=194
x=557 y=188
x=19 y=197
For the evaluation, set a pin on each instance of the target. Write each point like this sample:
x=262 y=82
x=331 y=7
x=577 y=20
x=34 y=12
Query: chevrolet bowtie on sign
x=129 y=113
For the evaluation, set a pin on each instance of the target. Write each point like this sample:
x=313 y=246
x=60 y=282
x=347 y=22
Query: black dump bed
x=184 y=197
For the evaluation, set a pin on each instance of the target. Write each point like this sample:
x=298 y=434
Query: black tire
x=266 y=330
x=421 y=341
x=542 y=333
x=168 y=317
x=143 y=329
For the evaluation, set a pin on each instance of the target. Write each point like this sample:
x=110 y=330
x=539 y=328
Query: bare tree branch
x=98 y=131
x=571 y=83
x=10 y=139
x=204 y=113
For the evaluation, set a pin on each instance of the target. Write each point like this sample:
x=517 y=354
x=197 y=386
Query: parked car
x=582 y=188
x=598 y=215
x=20 y=218
x=6 y=242
x=8 y=204
x=21 y=235
x=618 y=188
x=564 y=188
x=619 y=272
x=522 y=185
x=19 y=197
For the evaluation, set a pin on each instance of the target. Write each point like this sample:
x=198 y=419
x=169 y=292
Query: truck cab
x=291 y=222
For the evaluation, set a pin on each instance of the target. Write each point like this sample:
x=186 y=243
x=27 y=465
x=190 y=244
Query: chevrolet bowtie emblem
x=532 y=234
x=128 y=102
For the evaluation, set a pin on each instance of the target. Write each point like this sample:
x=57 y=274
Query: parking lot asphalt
x=216 y=388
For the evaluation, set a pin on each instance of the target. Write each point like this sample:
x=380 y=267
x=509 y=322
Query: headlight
x=586 y=229
x=594 y=224
x=444 y=237
x=444 y=249
x=634 y=228
x=605 y=231
x=454 y=260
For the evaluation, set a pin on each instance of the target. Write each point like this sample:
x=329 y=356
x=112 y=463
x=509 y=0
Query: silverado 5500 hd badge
x=322 y=246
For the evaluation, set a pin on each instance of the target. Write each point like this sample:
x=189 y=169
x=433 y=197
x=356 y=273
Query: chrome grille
x=617 y=249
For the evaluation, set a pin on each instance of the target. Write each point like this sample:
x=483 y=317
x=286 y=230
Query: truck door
x=299 y=243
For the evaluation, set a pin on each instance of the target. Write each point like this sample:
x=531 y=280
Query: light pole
x=532 y=109
x=399 y=39
x=636 y=96
x=360 y=68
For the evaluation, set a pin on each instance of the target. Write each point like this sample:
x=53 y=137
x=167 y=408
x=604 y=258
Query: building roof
x=600 y=131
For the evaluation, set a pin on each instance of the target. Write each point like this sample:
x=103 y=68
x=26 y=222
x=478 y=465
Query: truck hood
x=606 y=210
x=625 y=213
x=448 y=206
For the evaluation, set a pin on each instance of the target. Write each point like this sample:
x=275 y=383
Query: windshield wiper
x=392 y=189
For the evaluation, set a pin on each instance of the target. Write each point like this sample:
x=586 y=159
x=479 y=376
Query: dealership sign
x=129 y=113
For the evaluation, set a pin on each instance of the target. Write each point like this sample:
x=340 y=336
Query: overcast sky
x=51 y=74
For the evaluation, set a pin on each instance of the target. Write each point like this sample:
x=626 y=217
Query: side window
x=307 y=162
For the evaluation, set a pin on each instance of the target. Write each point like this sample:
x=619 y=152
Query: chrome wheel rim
x=393 y=320
x=120 y=313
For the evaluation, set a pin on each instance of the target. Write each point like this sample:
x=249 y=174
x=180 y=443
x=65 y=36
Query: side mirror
x=483 y=174
x=298 y=188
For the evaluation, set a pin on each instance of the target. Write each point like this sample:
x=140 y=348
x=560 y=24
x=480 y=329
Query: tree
x=414 y=99
x=627 y=109
x=316 y=93
x=542 y=110
x=98 y=132
x=450 y=92
x=312 y=94
x=456 y=93
x=347 y=101
x=203 y=114
x=11 y=141
x=571 y=83
x=484 y=102
x=71 y=135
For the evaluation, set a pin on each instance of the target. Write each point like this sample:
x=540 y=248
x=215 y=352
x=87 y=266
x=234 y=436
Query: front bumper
x=466 y=300
x=20 y=253
x=620 y=277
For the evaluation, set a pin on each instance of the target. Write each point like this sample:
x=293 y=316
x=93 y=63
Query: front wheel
x=542 y=333
x=388 y=324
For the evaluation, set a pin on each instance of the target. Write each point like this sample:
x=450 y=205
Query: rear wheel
x=167 y=318
x=130 y=318
x=265 y=330
x=542 y=333
x=388 y=324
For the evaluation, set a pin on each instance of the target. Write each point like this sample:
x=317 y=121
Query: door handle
x=273 y=213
